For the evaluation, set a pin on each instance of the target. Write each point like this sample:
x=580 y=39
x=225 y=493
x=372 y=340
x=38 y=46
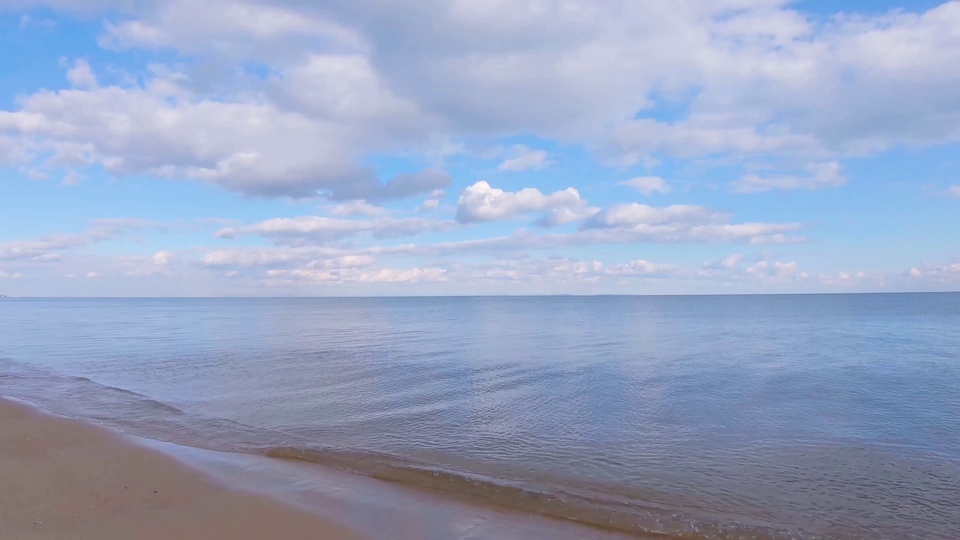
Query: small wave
x=597 y=510
x=142 y=415
x=139 y=399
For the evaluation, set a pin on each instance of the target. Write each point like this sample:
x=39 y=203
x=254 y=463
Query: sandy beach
x=64 y=478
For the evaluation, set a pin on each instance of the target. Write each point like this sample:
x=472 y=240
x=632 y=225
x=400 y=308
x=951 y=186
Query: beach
x=65 y=478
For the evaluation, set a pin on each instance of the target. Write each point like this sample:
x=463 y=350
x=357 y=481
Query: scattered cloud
x=30 y=21
x=429 y=204
x=353 y=275
x=520 y=158
x=482 y=202
x=821 y=175
x=310 y=229
x=81 y=75
x=72 y=178
x=623 y=223
x=163 y=258
x=270 y=257
x=648 y=185
x=328 y=100
x=943 y=273
x=358 y=208
x=730 y=261
x=49 y=248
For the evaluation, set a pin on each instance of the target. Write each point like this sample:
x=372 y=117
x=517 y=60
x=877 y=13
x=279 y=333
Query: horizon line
x=557 y=295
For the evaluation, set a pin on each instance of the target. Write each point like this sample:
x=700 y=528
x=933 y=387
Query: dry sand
x=63 y=478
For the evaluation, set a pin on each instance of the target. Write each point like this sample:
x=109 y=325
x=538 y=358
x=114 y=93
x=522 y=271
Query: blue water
x=814 y=416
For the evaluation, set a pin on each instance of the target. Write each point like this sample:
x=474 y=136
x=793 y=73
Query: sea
x=700 y=417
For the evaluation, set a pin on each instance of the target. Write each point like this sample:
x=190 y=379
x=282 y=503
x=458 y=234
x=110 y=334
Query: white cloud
x=243 y=27
x=633 y=214
x=81 y=75
x=72 y=178
x=939 y=273
x=37 y=174
x=48 y=249
x=352 y=275
x=481 y=202
x=323 y=229
x=269 y=257
x=297 y=99
x=523 y=158
x=92 y=275
x=245 y=144
x=7 y=275
x=642 y=268
x=433 y=202
x=358 y=208
x=775 y=269
x=430 y=204
x=162 y=258
x=625 y=223
x=648 y=185
x=821 y=175
x=346 y=81
x=28 y=21
x=730 y=261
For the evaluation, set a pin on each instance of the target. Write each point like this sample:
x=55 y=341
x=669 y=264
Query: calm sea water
x=834 y=416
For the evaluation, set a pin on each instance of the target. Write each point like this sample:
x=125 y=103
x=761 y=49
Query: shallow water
x=834 y=416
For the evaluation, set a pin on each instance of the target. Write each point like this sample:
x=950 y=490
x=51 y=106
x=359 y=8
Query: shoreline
x=62 y=477
x=68 y=477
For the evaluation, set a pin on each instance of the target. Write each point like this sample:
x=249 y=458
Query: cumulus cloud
x=252 y=146
x=286 y=98
x=346 y=81
x=522 y=158
x=821 y=175
x=648 y=185
x=482 y=202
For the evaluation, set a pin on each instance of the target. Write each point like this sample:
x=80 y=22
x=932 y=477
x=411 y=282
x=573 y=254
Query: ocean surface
x=818 y=416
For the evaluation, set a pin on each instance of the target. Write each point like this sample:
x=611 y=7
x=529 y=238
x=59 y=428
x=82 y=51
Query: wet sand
x=64 y=478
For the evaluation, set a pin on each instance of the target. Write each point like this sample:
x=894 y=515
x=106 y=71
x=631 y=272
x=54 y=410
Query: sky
x=460 y=147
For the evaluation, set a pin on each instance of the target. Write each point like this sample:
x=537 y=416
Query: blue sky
x=478 y=147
